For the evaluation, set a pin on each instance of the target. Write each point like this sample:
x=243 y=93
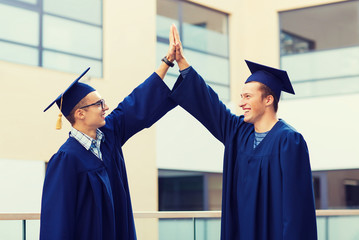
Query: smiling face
x=92 y=115
x=252 y=102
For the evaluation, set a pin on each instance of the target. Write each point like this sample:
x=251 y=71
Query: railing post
x=24 y=229
x=194 y=228
x=326 y=228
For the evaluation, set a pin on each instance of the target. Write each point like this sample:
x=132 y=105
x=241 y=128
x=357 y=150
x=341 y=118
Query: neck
x=266 y=123
x=88 y=131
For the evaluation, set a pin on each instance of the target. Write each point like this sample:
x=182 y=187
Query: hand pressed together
x=176 y=49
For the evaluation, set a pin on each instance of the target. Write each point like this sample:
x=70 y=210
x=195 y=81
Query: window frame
x=39 y=9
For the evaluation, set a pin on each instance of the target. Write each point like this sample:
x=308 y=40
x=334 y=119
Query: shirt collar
x=100 y=136
x=85 y=140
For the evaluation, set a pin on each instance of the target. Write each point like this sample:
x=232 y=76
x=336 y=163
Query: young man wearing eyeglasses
x=86 y=194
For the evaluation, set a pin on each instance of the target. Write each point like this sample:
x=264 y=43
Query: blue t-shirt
x=258 y=137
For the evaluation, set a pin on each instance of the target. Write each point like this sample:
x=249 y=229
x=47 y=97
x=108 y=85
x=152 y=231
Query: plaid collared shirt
x=89 y=143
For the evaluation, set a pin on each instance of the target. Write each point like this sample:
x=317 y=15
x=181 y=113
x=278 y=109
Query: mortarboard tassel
x=59 y=120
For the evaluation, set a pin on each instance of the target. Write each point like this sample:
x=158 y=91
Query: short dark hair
x=71 y=116
x=266 y=91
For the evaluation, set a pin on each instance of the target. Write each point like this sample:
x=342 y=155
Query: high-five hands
x=179 y=57
x=167 y=61
x=172 y=47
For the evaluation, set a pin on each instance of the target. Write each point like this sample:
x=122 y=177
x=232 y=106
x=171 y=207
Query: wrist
x=182 y=63
x=167 y=61
x=170 y=58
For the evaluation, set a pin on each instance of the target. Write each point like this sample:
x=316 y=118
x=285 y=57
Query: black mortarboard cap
x=67 y=100
x=276 y=79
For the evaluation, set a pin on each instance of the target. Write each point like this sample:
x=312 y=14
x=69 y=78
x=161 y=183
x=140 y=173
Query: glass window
x=71 y=34
x=175 y=229
x=343 y=227
x=19 y=25
x=352 y=193
x=204 y=34
x=10 y=229
x=336 y=189
x=32 y=229
x=189 y=190
x=204 y=29
x=181 y=193
x=326 y=26
x=28 y=1
x=222 y=91
x=290 y=43
x=73 y=37
x=200 y=38
x=84 y=10
x=19 y=54
x=69 y=63
x=167 y=13
x=212 y=68
x=320 y=49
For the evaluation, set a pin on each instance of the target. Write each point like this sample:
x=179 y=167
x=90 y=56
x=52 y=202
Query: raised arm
x=196 y=97
x=146 y=104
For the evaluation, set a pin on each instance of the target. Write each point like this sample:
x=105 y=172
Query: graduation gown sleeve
x=197 y=98
x=59 y=199
x=299 y=220
x=143 y=107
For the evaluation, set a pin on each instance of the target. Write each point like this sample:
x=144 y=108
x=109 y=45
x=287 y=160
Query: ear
x=79 y=114
x=269 y=100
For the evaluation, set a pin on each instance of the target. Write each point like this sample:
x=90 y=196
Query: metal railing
x=326 y=220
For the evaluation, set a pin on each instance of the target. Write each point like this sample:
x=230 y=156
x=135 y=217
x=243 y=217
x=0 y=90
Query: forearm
x=162 y=70
x=196 y=97
x=145 y=105
x=183 y=64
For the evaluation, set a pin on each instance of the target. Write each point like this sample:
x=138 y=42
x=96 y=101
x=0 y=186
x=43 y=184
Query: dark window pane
x=291 y=43
x=328 y=26
x=181 y=193
x=352 y=193
x=334 y=189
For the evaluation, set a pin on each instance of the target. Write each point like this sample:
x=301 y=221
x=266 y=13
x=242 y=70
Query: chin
x=102 y=124
x=247 y=120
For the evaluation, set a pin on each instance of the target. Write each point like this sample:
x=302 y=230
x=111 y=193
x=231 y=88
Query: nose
x=105 y=108
x=241 y=103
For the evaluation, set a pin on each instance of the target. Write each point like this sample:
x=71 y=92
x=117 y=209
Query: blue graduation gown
x=267 y=191
x=86 y=198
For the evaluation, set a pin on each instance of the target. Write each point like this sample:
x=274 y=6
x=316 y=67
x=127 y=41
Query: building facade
x=177 y=164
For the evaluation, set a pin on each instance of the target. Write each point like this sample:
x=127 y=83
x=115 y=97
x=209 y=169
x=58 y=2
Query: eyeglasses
x=100 y=102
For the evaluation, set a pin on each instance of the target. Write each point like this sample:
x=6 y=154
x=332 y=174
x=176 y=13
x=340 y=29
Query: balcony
x=324 y=72
x=204 y=225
